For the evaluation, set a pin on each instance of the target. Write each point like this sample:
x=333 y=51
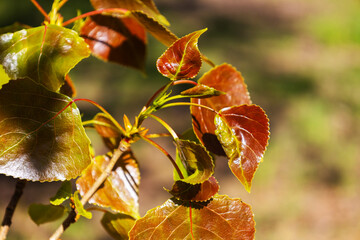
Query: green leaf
x=44 y=54
x=13 y=28
x=41 y=213
x=120 y=40
x=36 y=144
x=120 y=190
x=194 y=161
x=117 y=225
x=182 y=59
x=243 y=132
x=201 y=91
x=224 y=78
x=62 y=194
x=4 y=78
x=221 y=218
x=80 y=208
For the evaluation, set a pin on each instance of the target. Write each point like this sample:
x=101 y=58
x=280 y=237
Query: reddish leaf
x=198 y=192
x=110 y=134
x=224 y=78
x=119 y=40
x=222 y=218
x=182 y=59
x=201 y=91
x=243 y=132
x=120 y=190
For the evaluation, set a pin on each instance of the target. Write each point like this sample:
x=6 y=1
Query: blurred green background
x=301 y=62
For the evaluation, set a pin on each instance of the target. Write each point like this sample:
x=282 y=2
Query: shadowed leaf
x=110 y=134
x=4 y=78
x=224 y=78
x=117 y=225
x=243 y=131
x=41 y=213
x=68 y=88
x=62 y=194
x=44 y=54
x=182 y=59
x=120 y=190
x=33 y=145
x=201 y=91
x=13 y=28
x=119 y=40
x=222 y=218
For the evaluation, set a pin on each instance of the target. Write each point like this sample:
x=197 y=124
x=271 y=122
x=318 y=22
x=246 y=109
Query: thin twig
x=6 y=223
x=123 y=147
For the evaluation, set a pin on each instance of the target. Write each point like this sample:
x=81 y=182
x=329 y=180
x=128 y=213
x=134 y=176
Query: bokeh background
x=301 y=62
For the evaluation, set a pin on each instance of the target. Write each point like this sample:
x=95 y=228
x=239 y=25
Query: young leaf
x=198 y=192
x=146 y=6
x=44 y=54
x=119 y=40
x=110 y=134
x=35 y=144
x=62 y=194
x=120 y=190
x=41 y=213
x=224 y=78
x=222 y=218
x=196 y=161
x=201 y=91
x=80 y=208
x=182 y=59
x=243 y=131
x=118 y=225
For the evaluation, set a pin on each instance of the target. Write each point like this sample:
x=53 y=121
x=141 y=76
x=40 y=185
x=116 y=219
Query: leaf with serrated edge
x=117 y=225
x=44 y=54
x=196 y=161
x=182 y=59
x=243 y=132
x=33 y=144
x=120 y=190
x=221 y=218
x=224 y=78
x=41 y=213
x=119 y=40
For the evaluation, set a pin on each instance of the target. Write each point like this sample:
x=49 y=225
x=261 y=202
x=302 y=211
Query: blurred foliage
x=301 y=61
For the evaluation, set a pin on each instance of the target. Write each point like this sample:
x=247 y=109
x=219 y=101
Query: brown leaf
x=119 y=40
x=222 y=218
x=120 y=190
x=110 y=134
x=224 y=78
x=182 y=59
x=68 y=88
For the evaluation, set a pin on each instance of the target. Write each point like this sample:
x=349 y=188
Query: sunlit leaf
x=120 y=190
x=44 y=54
x=182 y=59
x=35 y=144
x=4 y=78
x=117 y=225
x=110 y=134
x=197 y=163
x=198 y=192
x=222 y=218
x=243 y=131
x=201 y=91
x=146 y=6
x=120 y=40
x=41 y=213
x=80 y=208
x=224 y=78
x=62 y=194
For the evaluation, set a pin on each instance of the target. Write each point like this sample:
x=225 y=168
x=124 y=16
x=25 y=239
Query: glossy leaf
x=198 y=192
x=117 y=225
x=243 y=131
x=194 y=161
x=62 y=194
x=182 y=59
x=41 y=213
x=120 y=190
x=224 y=78
x=221 y=218
x=80 y=208
x=201 y=91
x=157 y=30
x=110 y=134
x=44 y=54
x=146 y=6
x=119 y=40
x=35 y=144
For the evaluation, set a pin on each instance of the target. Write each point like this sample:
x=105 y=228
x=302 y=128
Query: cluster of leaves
x=42 y=136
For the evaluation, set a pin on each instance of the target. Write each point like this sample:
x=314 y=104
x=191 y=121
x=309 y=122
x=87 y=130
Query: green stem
x=95 y=122
x=188 y=104
x=167 y=126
